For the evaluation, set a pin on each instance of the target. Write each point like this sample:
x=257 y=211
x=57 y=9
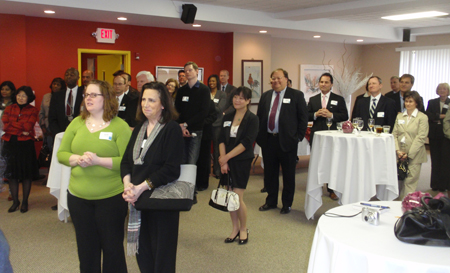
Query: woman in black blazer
x=239 y=131
x=439 y=145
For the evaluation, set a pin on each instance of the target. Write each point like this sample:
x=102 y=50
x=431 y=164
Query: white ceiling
x=334 y=20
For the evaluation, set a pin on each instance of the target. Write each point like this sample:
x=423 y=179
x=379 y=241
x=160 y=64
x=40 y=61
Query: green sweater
x=95 y=182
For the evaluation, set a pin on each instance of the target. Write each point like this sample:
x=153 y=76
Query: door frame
x=126 y=57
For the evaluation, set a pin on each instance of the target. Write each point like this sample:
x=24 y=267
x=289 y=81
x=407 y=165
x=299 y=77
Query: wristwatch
x=185 y=125
x=149 y=184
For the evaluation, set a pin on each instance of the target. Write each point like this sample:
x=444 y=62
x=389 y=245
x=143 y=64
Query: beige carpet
x=277 y=243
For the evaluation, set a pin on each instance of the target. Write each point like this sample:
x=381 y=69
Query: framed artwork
x=163 y=73
x=309 y=78
x=252 y=77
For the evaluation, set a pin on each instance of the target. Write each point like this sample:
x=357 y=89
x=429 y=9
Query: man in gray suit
x=224 y=75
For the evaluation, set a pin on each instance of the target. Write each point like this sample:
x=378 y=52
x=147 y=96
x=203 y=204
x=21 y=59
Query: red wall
x=34 y=50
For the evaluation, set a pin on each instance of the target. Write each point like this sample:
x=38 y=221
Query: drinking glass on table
x=386 y=129
x=355 y=122
x=329 y=123
x=339 y=126
x=378 y=129
x=360 y=125
x=371 y=123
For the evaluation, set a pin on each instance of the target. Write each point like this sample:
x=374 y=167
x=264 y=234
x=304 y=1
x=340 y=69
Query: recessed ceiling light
x=316 y=36
x=417 y=15
x=263 y=31
x=122 y=18
x=360 y=40
x=49 y=11
x=196 y=25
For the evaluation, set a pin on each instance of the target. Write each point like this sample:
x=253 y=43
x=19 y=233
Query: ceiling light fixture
x=122 y=18
x=263 y=31
x=196 y=25
x=49 y=11
x=417 y=15
x=316 y=36
x=360 y=40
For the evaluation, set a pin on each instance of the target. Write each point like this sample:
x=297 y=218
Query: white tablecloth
x=356 y=168
x=58 y=180
x=349 y=245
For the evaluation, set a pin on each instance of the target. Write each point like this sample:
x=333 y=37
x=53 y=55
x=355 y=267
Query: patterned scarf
x=134 y=218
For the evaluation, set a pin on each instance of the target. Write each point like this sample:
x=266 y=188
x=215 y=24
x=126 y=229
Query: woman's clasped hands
x=87 y=159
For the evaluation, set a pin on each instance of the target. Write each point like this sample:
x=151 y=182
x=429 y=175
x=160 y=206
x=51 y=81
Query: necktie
x=372 y=107
x=69 y=104
x=273 y=112
x=324 y=103
x=223 y=88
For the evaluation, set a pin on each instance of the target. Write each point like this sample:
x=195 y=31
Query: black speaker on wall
x=406 y=35
x=188 y=15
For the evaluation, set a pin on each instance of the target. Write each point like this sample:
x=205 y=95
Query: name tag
x=401 y=121
x=106 y=135
x=143 y=143
x=185 y=98
x=226 y=123
x=445 y=106
x=286 y=100
x=380 y=115
x=216 y=100
x=122 y=108
x=333 y=102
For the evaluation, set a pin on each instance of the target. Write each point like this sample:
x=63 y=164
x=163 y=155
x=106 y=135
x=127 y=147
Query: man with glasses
x=283 y=118
x=127 y=103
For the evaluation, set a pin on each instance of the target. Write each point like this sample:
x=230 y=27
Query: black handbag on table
x=426 y=225
x=402 y=169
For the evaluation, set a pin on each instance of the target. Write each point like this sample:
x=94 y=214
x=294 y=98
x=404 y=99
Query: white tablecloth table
x=356 y=168
x=349 y=245
x=58 y=180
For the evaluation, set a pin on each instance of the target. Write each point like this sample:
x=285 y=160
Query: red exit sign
x=106 y=35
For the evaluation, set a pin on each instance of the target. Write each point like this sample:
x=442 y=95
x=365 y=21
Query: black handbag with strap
x=426 y=225
x=402 y=169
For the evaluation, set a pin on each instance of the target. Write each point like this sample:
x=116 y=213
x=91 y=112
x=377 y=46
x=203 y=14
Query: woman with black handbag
x=239 y=131
x=152 y=159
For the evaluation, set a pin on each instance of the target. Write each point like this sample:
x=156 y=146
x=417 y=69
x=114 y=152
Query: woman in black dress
x=439 y=145
x=239 y=131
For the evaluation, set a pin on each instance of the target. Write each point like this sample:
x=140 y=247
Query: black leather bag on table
x=175 y=196
x=426 y=225
x=402 y=169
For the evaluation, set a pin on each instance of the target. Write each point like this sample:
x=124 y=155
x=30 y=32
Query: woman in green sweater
x=93 y=145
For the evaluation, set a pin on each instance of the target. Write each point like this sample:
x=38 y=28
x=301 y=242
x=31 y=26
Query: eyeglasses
x=171 y=85
x=92 y=95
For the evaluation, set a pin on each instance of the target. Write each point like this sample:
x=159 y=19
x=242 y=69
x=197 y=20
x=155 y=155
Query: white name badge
x=333 y=102
x=286 y=100
x=122 y=108
x=216 y=100
x=106 y=135
x=445 y=106
x=185 y=98
x=226 y=123
x=380 y=115
x=143 y=143
x=401 y=121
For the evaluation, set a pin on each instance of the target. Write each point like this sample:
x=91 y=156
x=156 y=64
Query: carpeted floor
x=277 y=243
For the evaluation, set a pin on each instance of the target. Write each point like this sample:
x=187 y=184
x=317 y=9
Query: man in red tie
x=283 y=119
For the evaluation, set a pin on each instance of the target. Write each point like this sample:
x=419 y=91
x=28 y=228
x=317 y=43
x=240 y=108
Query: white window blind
x=429 y=66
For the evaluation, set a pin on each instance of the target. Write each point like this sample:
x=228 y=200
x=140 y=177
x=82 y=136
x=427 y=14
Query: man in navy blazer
x=335 y=107
x=377 y=106
x=127 y=103
x=60 y=113
x=283 y=118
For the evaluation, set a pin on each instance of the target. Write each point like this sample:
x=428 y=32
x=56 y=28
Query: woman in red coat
x=18 y=148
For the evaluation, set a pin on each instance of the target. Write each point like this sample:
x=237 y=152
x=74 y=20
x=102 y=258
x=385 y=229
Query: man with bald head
x=86 y=77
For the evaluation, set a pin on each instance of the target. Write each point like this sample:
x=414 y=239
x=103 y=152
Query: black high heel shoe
x=230 y=240
x=244 y=241
x=14 y=207
x=24 y=207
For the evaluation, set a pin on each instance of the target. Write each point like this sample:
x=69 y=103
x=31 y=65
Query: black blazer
x=162 y=160
x=336 y=105
x=356 y=102
x=385 y=105
x=57 y=118
x=129 y=104
x=433 y=111
x=398 y=103
x=292 y=122
x=246 y=134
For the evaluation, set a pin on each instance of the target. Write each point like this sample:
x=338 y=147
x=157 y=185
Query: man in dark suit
x=406 y=84
x=326 y=105
x=395 y=86
x=65 y=106
x=224 y=75
x=283 y=118
x=129 y=90
x=377 y=106
x=127 y=103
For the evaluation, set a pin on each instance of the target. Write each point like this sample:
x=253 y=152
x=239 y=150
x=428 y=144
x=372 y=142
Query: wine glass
x=371 y=124
x=329 y=123
x=339 y=126
x=355 y=122
x=360 y=125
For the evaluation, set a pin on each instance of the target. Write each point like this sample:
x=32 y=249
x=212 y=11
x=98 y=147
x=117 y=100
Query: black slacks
x=99 y=226
x=440 y=169
x=158 y=239
x=273 y=157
